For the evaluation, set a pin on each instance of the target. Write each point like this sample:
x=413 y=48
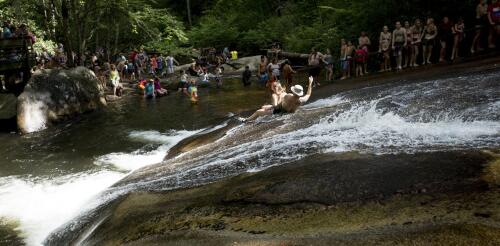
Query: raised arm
x=305 y=98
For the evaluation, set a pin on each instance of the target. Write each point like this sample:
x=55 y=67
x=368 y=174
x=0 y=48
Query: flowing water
x=58 y=178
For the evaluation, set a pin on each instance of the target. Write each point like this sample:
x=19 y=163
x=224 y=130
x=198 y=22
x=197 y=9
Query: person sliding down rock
x=286 y=103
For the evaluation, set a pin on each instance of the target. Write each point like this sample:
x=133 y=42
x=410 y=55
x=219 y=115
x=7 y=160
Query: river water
x=53 y=178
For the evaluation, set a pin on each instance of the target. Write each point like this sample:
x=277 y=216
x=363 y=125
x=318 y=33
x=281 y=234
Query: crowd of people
x=408 y=45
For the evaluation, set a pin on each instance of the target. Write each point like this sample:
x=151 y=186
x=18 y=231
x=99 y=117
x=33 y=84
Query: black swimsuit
x=279 y=109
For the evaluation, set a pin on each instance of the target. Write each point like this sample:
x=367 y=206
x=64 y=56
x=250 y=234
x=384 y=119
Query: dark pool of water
x=73 y=146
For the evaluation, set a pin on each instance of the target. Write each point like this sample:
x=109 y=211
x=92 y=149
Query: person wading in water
x=287 y=103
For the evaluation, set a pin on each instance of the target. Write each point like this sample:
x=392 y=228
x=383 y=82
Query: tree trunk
x=188 y=6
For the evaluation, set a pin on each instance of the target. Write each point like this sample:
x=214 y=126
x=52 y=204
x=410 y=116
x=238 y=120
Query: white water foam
x=34 y=117
x=141 y=157
x=40 y=206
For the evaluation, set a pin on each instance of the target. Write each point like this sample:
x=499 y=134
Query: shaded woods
x=248 y=26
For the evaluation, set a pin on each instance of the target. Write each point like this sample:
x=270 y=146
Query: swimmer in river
x=287 y=103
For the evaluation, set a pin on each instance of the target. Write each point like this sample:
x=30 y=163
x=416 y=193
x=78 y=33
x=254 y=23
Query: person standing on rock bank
x=287 y=102
x=114 y=77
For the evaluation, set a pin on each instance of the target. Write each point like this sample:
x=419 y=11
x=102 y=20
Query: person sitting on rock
x=288 y=103
x=114 y=78
x=159 y=91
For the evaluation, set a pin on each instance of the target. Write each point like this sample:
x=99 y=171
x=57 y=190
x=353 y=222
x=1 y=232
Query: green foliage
x=248 y=26
x=252 y=25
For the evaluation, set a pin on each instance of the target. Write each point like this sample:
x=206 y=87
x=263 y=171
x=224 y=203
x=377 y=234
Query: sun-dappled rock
x=55 y=95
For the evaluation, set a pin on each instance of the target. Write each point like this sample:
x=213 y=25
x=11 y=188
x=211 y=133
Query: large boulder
x=8 y=104
x=55 y=95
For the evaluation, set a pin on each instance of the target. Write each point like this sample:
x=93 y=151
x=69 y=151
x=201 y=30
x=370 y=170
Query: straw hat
x=297 y=90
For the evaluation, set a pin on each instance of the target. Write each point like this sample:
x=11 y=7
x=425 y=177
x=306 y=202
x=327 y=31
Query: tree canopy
x=248 y=26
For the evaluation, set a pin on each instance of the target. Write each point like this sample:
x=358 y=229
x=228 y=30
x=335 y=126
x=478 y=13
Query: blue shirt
x=149 y=89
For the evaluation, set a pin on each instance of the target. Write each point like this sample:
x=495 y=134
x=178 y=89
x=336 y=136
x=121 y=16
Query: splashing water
x=448 y=114
x=145 y=156
x=41 y=206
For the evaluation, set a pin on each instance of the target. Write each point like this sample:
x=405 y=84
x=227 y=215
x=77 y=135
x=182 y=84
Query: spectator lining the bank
x=416 y=35
x=398 y=43
x=359 y=58
x=458 y=36
x=445 y=35
x=428 y=41
x=344 y=65
x=408 y=49
x=314 y=68
x=365 y=43
x=385 y=41
x=349 y=54
x=328 y=60
x=482 y=23
x=494 y=19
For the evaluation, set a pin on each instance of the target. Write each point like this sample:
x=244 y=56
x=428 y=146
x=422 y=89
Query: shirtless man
x=399 y=41
x=262 y=74
x=287 y=103
x=416 y=34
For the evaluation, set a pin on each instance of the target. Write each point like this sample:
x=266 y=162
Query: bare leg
x=491 y=40
x=265 y=110
x=427 y=54
x=475 y=42
x=414 y=56
x=442 y=53
x=454 y=53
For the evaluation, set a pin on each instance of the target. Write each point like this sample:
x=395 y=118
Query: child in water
x=247 y=74
x=193 y=91
x=149 y=90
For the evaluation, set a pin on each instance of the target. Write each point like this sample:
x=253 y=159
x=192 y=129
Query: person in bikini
x=385 y=41
x=458 y=37
x=416 y=35
x=286 y=102
x=409 y=44
x=314 y=64
x=398 y=43
x=429 y=38
x=482 y=23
